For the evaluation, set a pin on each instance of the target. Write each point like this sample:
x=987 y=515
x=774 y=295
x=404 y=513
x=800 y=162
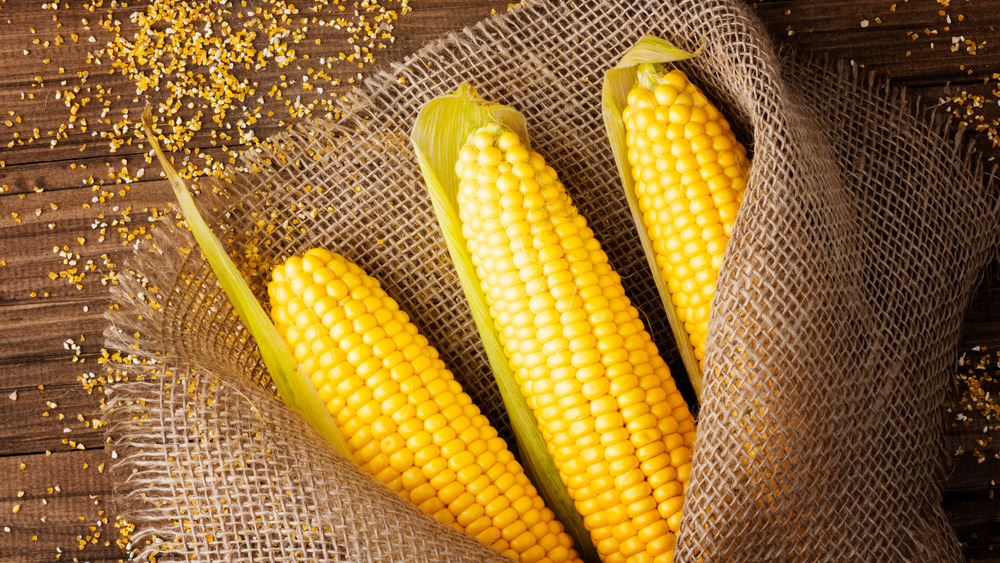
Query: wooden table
x=55 y=263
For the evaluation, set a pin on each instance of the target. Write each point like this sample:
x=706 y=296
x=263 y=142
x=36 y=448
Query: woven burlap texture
x=833 y=332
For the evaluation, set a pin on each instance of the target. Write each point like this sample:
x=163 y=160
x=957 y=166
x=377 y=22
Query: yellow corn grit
x=617 y=428
x=690 y=173
x=405 y=418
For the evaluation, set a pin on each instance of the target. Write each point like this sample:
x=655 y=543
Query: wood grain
x=34 y=329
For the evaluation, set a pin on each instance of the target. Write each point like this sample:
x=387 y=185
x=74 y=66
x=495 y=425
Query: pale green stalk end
x=293 y=385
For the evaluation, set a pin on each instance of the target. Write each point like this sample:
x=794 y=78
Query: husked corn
x=619 y=431
x=405 y=418
x=690 y=174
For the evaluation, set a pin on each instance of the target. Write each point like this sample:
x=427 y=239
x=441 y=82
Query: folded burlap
x=833 y=330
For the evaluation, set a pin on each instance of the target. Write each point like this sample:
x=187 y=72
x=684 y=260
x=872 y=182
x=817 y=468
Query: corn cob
x=690 y=173
x=617 y=428
x=406 y=420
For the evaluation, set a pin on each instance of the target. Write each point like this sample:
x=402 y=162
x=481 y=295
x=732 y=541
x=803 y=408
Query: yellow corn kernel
x=690 y=173
x=405 y=418
x=600 y=390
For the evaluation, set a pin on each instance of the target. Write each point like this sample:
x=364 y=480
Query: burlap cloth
x=833 y=331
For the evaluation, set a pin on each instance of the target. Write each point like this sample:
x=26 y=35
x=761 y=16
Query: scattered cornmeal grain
x=978 y=383
x=210 y=82
x=973 y=111
x=975 y=411
x=968 y=109
x=125 y=530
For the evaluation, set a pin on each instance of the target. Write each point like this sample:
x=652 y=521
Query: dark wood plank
x=62 y=502
x=878 y=34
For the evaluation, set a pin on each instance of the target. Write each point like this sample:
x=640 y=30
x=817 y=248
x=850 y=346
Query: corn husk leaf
x=292 y=384
x=617 y=83
x=442 y=127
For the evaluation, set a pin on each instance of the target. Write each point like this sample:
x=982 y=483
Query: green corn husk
x=642 y=60
x=442 y=127
x=292 y=383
